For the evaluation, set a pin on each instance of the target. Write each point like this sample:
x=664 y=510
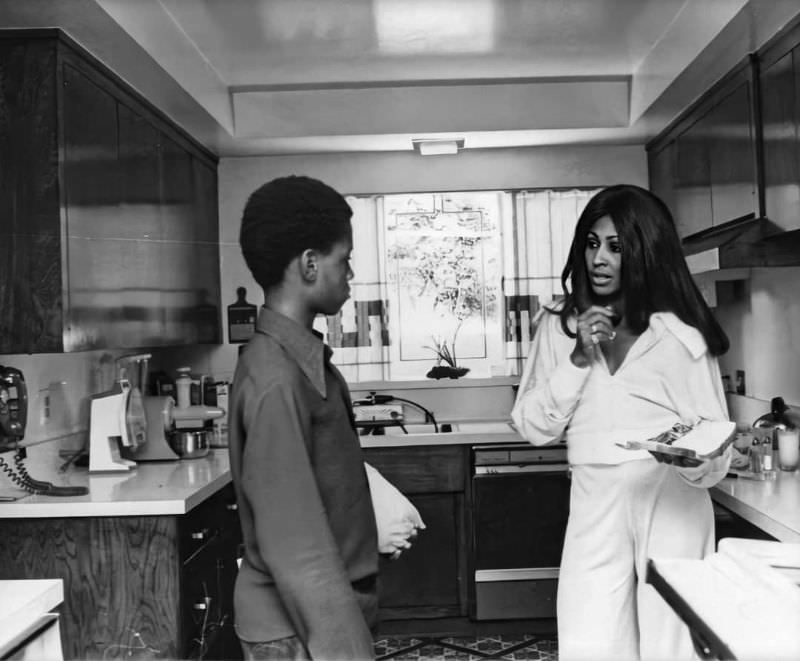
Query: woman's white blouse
x=667 y=377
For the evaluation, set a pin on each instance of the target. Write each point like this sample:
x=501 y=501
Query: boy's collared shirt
x=307 y=518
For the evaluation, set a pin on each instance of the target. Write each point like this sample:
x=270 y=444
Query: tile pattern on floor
x=458 y=648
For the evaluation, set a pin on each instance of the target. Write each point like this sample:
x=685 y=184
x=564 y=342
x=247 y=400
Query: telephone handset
x=13 y=406
x=13 y=417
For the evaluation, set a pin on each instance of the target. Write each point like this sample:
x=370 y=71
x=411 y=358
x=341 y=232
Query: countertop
x=772 y=505
x=174 y=487
x=150 y=489
x=742 y=602
x=22 y=603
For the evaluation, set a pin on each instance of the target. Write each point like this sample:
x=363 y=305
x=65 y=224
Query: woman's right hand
x=595 y=325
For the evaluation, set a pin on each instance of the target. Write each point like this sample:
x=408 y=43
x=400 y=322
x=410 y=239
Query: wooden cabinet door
x=121 y=580
x=100 y=204
x=138 y=165
x=732 y=158
x=661 y=164
x=425 y=580
x=30 y=230
x=693 y=179
x=780 y=114
x=430 y=579
x=705 y=166
x=206 y=315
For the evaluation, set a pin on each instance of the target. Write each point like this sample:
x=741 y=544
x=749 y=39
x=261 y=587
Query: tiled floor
x=458 y=648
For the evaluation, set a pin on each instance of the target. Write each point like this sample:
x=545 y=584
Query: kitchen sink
x=465 y=427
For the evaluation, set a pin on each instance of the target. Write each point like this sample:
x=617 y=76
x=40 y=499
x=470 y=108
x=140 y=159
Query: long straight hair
x=654 y=278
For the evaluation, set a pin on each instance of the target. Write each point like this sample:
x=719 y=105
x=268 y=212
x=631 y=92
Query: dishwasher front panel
x=519 y=518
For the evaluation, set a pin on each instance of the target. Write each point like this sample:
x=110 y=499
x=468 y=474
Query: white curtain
x=359 y=334
x=542 y=227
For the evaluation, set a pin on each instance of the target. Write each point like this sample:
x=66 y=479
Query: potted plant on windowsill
x=445 y=354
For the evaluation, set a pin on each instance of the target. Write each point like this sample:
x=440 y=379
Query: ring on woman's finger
x=595 y=339
x=594 y=328
x=613 y=335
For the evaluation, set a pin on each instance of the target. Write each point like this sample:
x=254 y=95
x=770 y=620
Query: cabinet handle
x=232 y=507
x=200 y=534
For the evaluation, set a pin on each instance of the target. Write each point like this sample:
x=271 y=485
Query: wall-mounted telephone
x=13 y=407
x=13 y=417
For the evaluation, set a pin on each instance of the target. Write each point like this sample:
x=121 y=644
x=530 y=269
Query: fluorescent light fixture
x=438 y=146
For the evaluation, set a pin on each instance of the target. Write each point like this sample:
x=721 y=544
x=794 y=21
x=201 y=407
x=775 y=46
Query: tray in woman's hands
x=705 y=440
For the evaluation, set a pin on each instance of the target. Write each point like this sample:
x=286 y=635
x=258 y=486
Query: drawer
x=425 y=469
x=212 y=525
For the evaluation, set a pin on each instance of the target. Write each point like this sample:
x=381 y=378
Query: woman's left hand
x=676 y=460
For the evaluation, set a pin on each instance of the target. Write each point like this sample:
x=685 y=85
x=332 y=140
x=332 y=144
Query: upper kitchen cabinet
x=780 y=106
x=108 y=211
x=705 y=165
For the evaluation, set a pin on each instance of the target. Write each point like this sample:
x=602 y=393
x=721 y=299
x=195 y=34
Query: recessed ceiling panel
x=432 y=108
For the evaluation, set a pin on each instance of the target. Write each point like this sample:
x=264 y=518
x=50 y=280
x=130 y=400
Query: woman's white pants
x=620 y=516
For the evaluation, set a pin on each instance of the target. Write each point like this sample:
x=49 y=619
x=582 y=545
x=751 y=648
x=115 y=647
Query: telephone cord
x=22 y=479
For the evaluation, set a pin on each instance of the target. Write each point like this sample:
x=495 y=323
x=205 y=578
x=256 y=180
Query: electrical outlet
x=44 y=407
x=741 y=385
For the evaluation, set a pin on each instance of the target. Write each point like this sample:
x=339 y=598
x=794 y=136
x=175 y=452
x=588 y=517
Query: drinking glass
x=788 y=449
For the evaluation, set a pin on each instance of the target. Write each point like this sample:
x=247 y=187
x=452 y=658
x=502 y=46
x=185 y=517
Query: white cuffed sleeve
x=706 y=401
x=551 y=385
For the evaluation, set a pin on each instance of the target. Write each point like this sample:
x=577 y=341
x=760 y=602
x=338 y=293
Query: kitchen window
x=462 y=271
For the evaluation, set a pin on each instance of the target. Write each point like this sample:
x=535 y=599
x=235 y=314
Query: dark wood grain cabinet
x=779 y=82
x=705 y=164
x=149 y=586
x=108 y=211
x=431 y=579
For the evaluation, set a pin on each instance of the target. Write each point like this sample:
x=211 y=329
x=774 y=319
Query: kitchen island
x=148 y=558
x=742 y=602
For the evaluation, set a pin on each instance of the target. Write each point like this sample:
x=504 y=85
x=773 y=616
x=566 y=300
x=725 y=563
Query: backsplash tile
x=764 y=330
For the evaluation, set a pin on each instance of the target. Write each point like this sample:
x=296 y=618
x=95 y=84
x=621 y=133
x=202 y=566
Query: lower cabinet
x=730 y=524
x=156 y=586
x=430 y=579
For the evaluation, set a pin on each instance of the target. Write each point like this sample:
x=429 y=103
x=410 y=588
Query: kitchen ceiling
x=313 y=76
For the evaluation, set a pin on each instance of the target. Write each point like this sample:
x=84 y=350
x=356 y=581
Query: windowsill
x=424 y=384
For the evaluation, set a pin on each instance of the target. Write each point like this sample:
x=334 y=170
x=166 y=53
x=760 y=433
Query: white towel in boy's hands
x=396 y=518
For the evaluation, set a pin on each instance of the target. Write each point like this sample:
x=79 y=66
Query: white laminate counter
x=152 y=488
x=772 y=505
x=22 y=603
x=741 y=601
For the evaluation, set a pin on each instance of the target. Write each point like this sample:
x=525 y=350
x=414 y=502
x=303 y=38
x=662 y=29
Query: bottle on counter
x=755 y=457
x=768 y=458
x=183 y=387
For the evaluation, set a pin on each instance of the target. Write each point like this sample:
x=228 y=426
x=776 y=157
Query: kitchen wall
x=762 y=318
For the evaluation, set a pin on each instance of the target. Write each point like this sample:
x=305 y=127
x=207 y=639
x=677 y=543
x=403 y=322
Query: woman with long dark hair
x=629 y=352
